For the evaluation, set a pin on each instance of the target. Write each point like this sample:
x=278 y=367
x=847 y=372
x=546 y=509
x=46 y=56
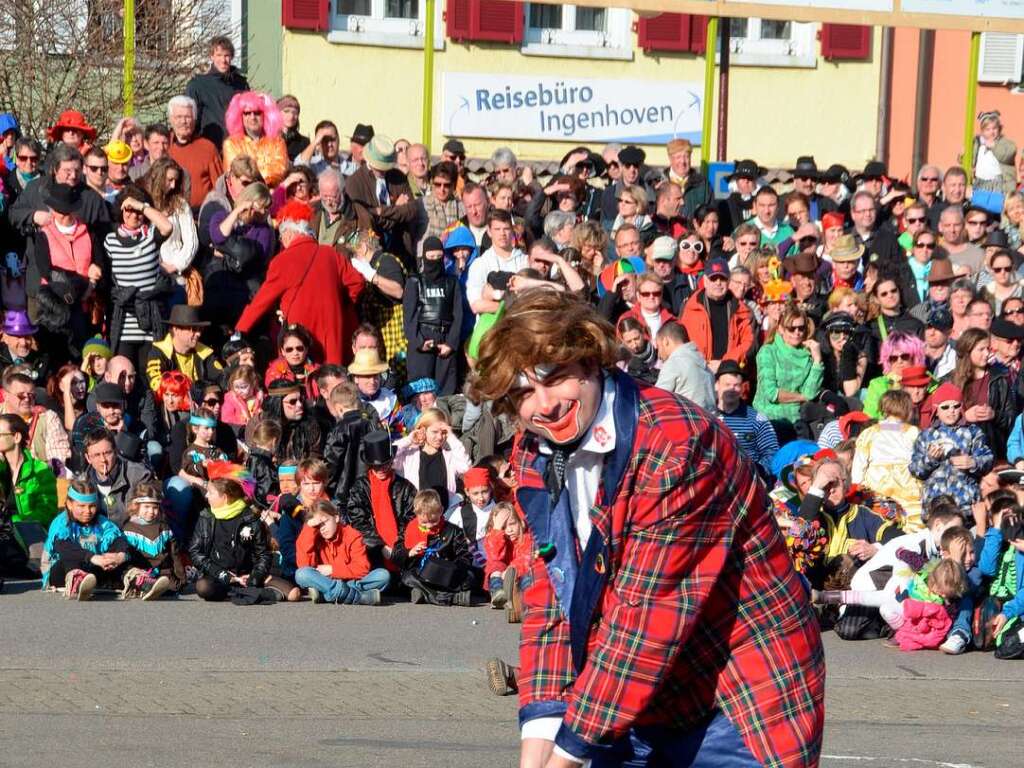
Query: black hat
x=184 y=316
x=432 y=243
x=746 y=169
x=455 y=147
x=63 y=198
x=840 y=321
x=233 y=346
x=805 y=167
x=940 y=318
x=873 y=170
x=728 y=367
x=1004 y=329
x=997 y=239
x=835 y=174
x=129 y=447
x=377 y=449
x=632 y=155
x=106 y=392
x=362 y=134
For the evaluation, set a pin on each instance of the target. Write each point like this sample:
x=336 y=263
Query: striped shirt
x=134 y=263
x=754 y=433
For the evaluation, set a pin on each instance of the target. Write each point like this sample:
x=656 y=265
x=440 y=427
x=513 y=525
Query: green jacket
x=35 y=490
x=780 y=366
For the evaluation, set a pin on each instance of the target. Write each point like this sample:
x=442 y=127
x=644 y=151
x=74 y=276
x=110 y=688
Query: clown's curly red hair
x=175 y=383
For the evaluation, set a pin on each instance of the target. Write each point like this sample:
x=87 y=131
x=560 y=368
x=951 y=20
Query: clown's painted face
x=558 y=403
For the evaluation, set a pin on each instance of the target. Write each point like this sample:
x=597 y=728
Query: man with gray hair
x=197 y=156
x=313 y=284
x=558 y=225
x=330 y=224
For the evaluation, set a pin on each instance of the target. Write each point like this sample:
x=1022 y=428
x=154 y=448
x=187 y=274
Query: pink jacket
x=925 y=626
x=236 y=412
x=407 y=460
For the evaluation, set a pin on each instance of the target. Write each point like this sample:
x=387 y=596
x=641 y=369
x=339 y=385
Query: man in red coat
x=314 y=285
x=665 y=624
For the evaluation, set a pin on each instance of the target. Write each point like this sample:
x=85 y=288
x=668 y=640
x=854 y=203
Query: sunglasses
x=627 y=200
x=902 y=356
x=1008 y=312
x=916 y=220
x=294 y=401
x=929 y=178
x=840 y=332
x=443 y=184
x=211 y=401
x=29 y=158
x=747 y=243
x=950 y=407
x=892 y=292
x=250 y=112
x=687 y=245
x=650 y=294
x=97 y=168
x=296 y=348
x=929 y=246
x=797 y=328
x=1001 y=270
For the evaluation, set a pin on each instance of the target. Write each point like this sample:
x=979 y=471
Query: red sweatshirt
x=502 y=552
x=345 y=553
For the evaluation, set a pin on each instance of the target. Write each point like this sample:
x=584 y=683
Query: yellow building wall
x=775 y=113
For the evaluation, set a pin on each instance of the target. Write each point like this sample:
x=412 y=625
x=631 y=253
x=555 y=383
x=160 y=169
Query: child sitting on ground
x=155 y=561
x=434 y=556
x=509 y=551
x=83 y=549
x=922 y=612
x=473 y=515
x=332 y=560
x=1002 y=558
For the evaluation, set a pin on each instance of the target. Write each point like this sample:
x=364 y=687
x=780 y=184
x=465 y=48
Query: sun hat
x=367 y=362
x=118 y=152
x=380 y=153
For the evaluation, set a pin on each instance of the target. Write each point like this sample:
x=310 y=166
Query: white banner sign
x=884 y=6
x=548 y=108
x=1004 y=9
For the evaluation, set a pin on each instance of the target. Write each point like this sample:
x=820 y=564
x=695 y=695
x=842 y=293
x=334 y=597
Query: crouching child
x=434 y=556
x=155 y=562
x=332 y=561
x=83 y=549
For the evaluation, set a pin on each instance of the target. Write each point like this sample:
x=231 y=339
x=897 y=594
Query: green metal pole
x=709 y=91
x=972 y=101
x=428 y=75
x=128 y=75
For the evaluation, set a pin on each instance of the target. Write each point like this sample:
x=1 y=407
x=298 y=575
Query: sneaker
x=891 y=642
x=78 y=585
x=501 y=678
x=498 y=598
x=416 y=596
x=369 y=597
x=314 y=595
x=955 y=644
x=153 y=588
x=463 y=599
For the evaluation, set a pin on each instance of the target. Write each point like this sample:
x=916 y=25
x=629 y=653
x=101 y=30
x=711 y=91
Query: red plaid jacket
x=696 y=605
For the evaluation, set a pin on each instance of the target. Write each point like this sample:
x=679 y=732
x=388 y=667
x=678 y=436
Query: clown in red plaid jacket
x=682 y=609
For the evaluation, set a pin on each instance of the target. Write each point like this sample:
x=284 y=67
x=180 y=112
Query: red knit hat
x=947 y=392
x=477 y=477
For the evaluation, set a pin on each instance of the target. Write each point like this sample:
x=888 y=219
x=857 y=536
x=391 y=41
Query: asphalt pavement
x=185 y=683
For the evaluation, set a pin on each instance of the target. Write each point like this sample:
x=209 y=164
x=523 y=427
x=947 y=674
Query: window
x=569 y=30
x=1001 y=56
x=394 y=23
x=772 y=43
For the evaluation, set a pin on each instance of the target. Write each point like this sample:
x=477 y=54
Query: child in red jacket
x=332 y=561
x=509 y=549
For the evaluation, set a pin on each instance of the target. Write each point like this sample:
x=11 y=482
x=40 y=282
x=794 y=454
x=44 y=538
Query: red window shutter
x=458 y=19
x=845 y=41
x=499 y=21
x=305 y=14
x=664 y=32
x=699 y=33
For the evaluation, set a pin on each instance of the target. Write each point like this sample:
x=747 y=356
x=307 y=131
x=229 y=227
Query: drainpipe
x=884 y=97
x=923 y=99
x=721 y=146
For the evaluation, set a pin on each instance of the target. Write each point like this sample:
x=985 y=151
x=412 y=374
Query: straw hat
x=367 y=363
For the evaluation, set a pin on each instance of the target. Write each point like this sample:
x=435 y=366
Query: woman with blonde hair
x=789 y=367
x=431 y=456
x=632 y=206
x=590 y=239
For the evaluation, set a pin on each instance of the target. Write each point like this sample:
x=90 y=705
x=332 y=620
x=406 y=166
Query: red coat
x=345 y=553
x=690 y=605
x=316 y=286
x=502 y=552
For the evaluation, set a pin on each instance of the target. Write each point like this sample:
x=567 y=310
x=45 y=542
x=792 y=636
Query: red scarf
x=383 y=511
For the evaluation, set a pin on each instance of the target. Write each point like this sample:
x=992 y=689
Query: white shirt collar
x=600 y=438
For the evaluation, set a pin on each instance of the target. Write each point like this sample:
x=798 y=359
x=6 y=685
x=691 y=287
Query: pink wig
x=249 y=101
x=899 y=343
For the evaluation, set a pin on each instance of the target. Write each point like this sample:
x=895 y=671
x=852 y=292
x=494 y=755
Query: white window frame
x=377 y=30
x=616 y=42
x=800 y=50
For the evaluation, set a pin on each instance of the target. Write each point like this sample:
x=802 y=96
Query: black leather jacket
x=238 y=545
x=360 y=513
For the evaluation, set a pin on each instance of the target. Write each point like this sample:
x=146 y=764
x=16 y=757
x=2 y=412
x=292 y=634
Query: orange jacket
x=345 y=553
x=695 y=319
